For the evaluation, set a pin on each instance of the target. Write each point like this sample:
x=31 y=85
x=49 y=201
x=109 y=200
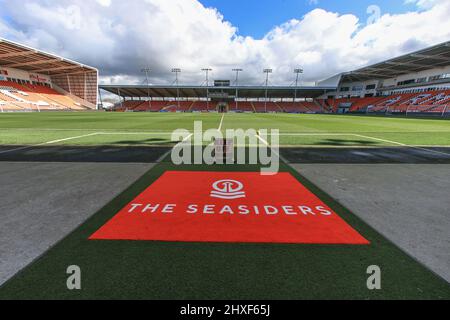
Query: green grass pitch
x=155 y=128
x=164 y=270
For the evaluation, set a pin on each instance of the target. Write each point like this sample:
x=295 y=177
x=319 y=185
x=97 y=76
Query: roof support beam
x=374 y=73
x=158 y=92
x=32 y=63
x=408 y=64
x=424 y=56
x=57 y=69
x=16 y=54
x=71 y=73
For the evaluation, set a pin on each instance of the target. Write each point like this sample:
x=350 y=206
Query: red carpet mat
x=228 y=207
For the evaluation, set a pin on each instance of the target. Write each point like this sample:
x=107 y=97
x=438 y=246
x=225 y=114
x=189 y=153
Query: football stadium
x=224 y=189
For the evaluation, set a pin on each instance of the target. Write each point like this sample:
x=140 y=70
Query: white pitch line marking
x=273 y=150
x=16 y=149
x=49 y=142
x=402 y=144
x=93 y=134
x=360 y=136
x=86 y=129
x=366 y=137
x=70 y=138
x=382 y=140
x=312 y=134
x=221 y=122
x=160 y=159
x=135 y=133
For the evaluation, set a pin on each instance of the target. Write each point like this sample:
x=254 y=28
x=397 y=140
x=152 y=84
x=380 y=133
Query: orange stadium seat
x=246 y=106
x=36 y=97
x=293 y=107
x=423 y=102
x=271 y=107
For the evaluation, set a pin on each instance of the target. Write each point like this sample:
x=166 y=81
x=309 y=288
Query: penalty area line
x=160 y=159
x=70 y=138
x=402 y=144
x=365 y=137
x=83 y=136
x=273 y=150
x=221 y=122
x=49 y=142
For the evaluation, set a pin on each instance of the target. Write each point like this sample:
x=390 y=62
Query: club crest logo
x=228 y=190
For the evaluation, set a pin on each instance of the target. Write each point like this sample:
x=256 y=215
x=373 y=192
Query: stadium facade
x=424 y=70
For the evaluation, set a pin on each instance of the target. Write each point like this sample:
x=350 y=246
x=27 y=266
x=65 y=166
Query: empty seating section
x=362 y=103
x=8 y=103
x=271 y=107
x=160 y=106
x=54 y=96
x=290 y=107
x=202 y=106
x=128 y=105
x=293 y=107
x=394 y=103
x=28 y=97
x=313 y=107
x=245 y=106
x=425 y=102
x=333 y=104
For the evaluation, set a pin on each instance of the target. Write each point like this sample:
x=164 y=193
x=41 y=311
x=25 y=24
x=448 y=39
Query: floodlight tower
x=207 y=70
x=177 y=71
x=297 y=72
x=267 y=72
x=237 y=70
x=147 y=71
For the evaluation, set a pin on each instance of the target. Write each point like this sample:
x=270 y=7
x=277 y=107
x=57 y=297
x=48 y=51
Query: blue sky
x=257 y=17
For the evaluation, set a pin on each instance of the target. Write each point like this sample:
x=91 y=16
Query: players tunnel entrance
x=222 y=107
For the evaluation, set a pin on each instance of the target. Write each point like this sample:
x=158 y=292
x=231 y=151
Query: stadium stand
x=245 y=106
x=435 y=102
x=423 y=102
x=271 y=107
x=33 y=80
x=203 y=106
x=293 y=107
x=312 y=106
x=163 y=106
x=34 y=98
x=417 y=83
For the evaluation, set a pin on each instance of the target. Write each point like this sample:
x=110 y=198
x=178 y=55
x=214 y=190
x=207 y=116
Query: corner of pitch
x=236 y=146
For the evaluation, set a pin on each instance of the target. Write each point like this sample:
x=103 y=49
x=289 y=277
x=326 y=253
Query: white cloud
x=121 y=37
x=423 y=3
x=105 y=3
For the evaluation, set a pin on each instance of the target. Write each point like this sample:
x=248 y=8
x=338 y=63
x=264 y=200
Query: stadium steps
x=325 y=106
x=26 y=95
x=41 y=97
x=14 y=100
x=305 y=105
x=53 y=103
x=191 y=106
x=9 y=103
x=85 y=104
x=278 y=105
x=319 y=105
